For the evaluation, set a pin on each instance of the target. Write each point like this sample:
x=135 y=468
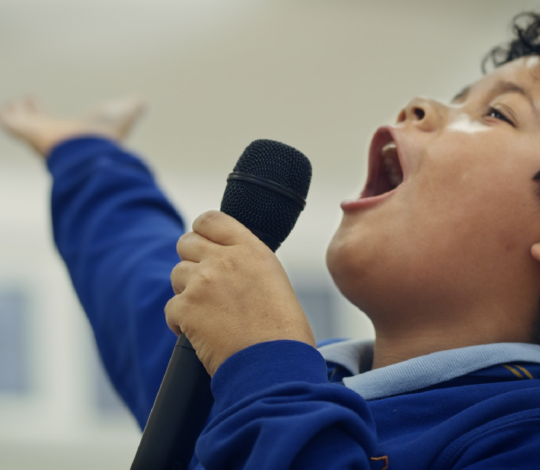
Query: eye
x=495 y=113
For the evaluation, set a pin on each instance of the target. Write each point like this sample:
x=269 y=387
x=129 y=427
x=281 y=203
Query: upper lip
x=382 y=136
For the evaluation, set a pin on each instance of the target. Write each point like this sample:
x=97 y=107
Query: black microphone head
x=267 y=195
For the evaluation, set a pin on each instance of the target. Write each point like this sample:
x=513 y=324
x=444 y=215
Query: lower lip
x=365 y=202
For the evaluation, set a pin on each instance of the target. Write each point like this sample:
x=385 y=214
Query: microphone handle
x=179 y=413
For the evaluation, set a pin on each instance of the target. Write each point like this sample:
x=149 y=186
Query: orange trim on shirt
x=385 y=459
x=525 y=371
x=514 y=371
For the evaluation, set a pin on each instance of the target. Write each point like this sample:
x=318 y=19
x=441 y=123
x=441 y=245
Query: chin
x=345 y=267
x=332 y=253
x=360 y=273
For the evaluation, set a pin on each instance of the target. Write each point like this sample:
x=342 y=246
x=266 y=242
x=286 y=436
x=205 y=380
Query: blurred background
x=320 y=75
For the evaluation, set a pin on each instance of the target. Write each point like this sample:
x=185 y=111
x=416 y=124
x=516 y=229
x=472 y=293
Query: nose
x=426 y=115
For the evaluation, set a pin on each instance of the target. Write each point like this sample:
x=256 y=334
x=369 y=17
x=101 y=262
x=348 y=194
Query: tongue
x=378 y=184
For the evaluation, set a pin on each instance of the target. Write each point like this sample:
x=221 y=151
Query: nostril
x=402 y=116
x=419 y=113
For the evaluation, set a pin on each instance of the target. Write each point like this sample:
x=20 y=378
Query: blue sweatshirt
x=282 y=404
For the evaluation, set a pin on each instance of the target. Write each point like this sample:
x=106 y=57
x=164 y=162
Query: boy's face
x=459 y=229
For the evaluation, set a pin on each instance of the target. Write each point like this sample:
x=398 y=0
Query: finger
x=20 y=105
x=222 y=229
x=171 y=310
x=193 y=247
x=4 y=114
x=7 y=109
x=8 y=114
x=27 y=103
x=181 y=274
x=35 y=104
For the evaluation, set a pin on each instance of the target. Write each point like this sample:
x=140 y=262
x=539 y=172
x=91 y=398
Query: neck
x=399 y=343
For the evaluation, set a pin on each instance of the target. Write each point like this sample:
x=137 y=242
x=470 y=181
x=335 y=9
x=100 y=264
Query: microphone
x=266 y=192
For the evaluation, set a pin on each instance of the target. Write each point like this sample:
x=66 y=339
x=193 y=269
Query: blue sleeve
x=117 y=234
x=276 y=409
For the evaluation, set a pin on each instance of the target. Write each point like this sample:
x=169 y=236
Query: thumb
x=222 y=229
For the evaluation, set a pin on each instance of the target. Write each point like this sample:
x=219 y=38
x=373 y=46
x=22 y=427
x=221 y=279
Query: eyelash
x=499 y=116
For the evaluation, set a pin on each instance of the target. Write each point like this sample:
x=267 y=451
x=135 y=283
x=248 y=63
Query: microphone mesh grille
x=260 y=208
x=277 y=162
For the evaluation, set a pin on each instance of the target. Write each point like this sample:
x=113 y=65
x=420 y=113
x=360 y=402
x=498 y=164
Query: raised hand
x=28 y=121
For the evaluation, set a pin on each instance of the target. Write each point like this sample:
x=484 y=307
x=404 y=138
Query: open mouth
x=385 y=169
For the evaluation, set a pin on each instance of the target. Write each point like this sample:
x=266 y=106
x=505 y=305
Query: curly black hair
x=526 y=42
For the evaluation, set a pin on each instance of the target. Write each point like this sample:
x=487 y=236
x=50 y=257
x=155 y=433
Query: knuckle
x=171 y=310
x=182 y=241
x=229 y=262
x=176 y=311
x=206 y=218
x=175 y=270
x=189 y=301
x=206 y=277
x=181 y=277
x=175 y=273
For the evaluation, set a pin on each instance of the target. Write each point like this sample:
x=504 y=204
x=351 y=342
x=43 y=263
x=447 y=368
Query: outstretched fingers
x=117 y=116
x=19 y=117
x=24 y=106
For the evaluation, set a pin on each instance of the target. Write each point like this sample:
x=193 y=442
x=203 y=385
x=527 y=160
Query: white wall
x=318 y=75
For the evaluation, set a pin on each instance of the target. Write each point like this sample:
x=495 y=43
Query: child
x=441 y=251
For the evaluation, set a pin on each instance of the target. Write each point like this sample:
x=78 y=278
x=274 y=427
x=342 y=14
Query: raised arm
x=116 y=232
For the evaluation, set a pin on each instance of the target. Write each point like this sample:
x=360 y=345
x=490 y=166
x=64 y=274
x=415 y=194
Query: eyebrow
x=500 y=88
x=462 y=95
x=510 y=87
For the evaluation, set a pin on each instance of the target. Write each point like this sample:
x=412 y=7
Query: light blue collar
x=423 y=371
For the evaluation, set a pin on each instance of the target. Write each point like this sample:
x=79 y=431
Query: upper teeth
x=391 y=162
x=389 y=148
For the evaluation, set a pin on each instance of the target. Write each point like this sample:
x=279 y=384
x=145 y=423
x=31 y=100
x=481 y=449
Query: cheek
x=479 y=211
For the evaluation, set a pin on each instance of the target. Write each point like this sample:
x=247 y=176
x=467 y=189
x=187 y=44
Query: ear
x=535 y=251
